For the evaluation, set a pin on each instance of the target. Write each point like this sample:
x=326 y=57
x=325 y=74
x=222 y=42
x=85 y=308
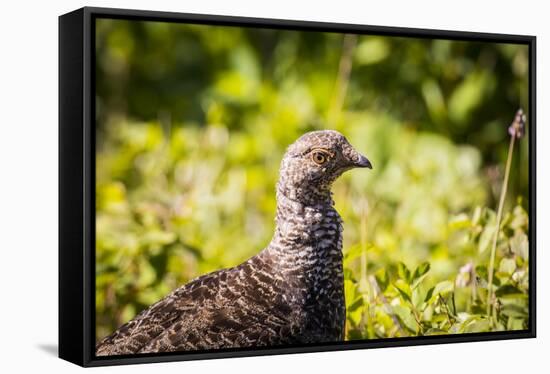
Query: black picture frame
x=77 y=184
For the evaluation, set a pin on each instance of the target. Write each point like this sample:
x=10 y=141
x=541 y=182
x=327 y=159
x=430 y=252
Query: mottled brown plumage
x=292 y=292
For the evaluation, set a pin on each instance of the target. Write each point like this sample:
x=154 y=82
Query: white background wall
x=28 y=184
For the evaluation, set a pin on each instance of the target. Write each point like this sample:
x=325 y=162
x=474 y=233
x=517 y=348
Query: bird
x=291 y=292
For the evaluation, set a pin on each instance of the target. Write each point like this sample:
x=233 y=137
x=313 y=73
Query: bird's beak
x=355 y=159
x=362 y=162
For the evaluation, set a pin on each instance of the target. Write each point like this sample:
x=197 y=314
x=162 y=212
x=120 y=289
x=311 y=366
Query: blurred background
x=192 y=122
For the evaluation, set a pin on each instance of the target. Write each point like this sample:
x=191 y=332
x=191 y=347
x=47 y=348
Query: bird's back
x=239 y=307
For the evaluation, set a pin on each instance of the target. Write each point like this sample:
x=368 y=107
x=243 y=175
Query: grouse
x=292 y=292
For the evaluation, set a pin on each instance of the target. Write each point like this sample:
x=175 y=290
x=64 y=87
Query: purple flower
x=517 y=128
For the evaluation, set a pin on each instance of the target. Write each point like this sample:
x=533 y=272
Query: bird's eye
x=319 y=157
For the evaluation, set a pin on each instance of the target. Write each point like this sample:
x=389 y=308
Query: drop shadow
x=51 y=349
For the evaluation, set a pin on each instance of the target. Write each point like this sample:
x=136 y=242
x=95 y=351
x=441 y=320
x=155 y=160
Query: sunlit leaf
x=419 y=274
x=460 y=221
x=486 y=238
x=442 y=288
x=403 y=289
x=403 y=272
x=509 y=291
x=507 y=265
x=519 y=244
x=371 y=50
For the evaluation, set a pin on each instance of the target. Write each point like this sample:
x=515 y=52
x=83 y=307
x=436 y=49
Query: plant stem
x=363 y=236
x=342 y=79
x=444 y=306
x=364 y=288
x=490 y=290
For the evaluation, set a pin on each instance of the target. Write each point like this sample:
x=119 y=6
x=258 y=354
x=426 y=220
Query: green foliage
x=398 y=301
x=193 y=122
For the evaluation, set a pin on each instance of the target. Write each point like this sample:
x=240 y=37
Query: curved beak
x=354 y=159
x=362 y=162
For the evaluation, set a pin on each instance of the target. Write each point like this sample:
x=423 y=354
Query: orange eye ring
x=319 y=157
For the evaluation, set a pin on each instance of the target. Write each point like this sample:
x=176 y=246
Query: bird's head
x=313 y=162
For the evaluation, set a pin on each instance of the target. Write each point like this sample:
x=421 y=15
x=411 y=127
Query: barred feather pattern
x=292 y=292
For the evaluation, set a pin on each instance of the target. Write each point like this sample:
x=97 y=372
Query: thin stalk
x=491 y=294
x=363 y=282
x=342 y=79
x=363 y=236
x=444 y=306
x=417 y=320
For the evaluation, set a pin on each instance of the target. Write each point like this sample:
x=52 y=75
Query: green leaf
x=516 y=311
x=403 y=272
x=429 y=294
x=416 y=298
x=460 y=221
x=436 y=331
x=158 y=238
x=355 y=334
x=421 y=270
x=147 y=274
x=371 y=50
x=476 y=216
x=382 y=278
x=348 y=274
x=353 y=299
x=355 y=304
x=509 y=291
x=353 y=252
x=419 y=274
x=481 y=271
x=468 y=95
x=515 y=324
x=478 y=325
x=405 y=316
x=520 y=220
x=403 y=289
x=350 y=289
x=128 y=312
x=428 y=313
x=434 y=99
x=507 y=266
x=486 y=237
x=519 y=245
x=442 y=288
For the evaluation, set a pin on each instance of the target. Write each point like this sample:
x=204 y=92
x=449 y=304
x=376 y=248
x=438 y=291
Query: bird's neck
x=306 y=253
x=306 y=234
x=298 y=192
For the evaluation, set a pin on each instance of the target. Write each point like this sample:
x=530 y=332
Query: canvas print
x=268 y=187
